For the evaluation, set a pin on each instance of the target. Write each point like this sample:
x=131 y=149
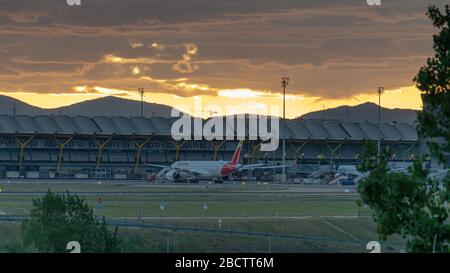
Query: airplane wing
x=195 y=172
x=439 y=175
x=249 y=166
x=260 y=167
x=361 y=177
x=155 y=165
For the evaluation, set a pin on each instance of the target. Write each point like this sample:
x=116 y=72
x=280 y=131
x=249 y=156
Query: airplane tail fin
x=234 y=161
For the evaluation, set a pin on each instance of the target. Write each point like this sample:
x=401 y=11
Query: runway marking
x=87 y=193
x=243 y=217
x=341 y=230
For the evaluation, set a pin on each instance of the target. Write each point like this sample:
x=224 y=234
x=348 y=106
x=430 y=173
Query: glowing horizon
x=244 y=99
x=334 y=53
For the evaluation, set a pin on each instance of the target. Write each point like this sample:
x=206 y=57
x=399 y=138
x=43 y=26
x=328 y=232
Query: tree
x=433 y=80
x=59 y=219
x=412 y=204
x=408 y=204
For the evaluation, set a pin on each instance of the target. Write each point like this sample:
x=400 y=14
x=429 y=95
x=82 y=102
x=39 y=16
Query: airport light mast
x=380 y=91
x=284 y=84
x=141 y=92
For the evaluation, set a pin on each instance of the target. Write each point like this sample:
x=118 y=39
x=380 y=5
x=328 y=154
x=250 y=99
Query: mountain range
x=106 y=106
x=364 y=112
x=114 y=106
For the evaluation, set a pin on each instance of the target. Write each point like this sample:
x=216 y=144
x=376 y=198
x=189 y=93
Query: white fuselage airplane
x=207 y=170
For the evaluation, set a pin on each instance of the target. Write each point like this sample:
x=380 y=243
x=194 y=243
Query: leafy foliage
x=433 y=80
x=59 y=219
x=407 y=204
x=411 y=204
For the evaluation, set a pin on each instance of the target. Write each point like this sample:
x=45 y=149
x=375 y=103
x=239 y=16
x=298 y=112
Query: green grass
x=155 y=240
x=132 y=187
x=117 y=205
x=9 y=232
x=311 y=216
x=192 y=206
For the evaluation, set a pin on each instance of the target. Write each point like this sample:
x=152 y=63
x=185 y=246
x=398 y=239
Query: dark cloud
x=330 y=48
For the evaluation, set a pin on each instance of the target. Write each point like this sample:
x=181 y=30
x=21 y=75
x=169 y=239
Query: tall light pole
x=380 y=91
x=284 y=84
x=141 y=92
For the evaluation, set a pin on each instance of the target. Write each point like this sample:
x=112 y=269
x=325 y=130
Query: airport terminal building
x=118 y=147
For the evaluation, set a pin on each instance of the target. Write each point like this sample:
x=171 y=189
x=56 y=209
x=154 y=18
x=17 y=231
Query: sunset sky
x=336 y=52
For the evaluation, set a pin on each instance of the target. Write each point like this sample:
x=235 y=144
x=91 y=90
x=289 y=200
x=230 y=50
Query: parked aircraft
x=193 y=171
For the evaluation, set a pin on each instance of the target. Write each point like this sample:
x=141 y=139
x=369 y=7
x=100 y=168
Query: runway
x=185 y=194
x=139 y=188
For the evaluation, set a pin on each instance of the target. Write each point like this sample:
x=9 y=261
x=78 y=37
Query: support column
x=177 y=149
x=407 y=149
x=139 y=147
x=297 y=149
x=255 y=151
x=216 y=148
x=333 y=151
x=61 y=146
x=22 y=146
x=101 y=145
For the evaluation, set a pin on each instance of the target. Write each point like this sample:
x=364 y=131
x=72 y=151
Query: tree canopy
x=57 y=220
x=412 y=204
x=433 y=80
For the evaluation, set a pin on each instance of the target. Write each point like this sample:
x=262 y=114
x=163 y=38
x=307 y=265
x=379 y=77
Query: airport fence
x=318 y=244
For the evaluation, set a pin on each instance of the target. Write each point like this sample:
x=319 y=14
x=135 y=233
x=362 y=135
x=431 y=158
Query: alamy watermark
x=373 y=2
x=73 y=2
x=263 y=125
x=78 y=2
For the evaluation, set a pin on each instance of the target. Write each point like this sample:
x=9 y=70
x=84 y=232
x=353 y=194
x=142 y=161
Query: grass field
x=192 y=206
x=95 y=186
x=320 y=223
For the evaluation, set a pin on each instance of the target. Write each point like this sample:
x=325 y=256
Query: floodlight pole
x=141 y=92
x=284 y=84
x=380 y=91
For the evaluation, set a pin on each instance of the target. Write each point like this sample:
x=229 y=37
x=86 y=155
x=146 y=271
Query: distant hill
x=106 y=106
x=364 y=112
x=114 y=106
x=8 y=104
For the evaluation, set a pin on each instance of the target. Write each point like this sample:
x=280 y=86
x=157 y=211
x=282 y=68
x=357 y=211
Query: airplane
x=193 y=171
x=436 y=174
